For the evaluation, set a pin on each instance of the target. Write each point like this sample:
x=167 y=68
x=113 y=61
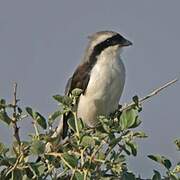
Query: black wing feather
x=80 y=79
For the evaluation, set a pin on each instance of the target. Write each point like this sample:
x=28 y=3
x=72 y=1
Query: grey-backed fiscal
x=101 y=75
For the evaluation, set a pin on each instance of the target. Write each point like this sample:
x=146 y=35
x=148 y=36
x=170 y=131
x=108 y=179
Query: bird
x=101 y=77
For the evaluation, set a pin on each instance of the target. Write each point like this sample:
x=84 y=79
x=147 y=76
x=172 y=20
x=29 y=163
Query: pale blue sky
x=41 y=43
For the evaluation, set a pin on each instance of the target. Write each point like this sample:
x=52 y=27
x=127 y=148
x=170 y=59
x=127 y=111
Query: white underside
x=104 y=88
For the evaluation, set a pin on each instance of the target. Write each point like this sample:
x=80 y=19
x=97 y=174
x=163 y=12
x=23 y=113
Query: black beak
x=126 y=43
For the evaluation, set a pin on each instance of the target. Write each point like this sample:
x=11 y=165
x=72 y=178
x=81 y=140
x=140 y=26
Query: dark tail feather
x=65 y=125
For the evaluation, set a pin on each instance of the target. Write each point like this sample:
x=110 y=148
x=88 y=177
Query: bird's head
x=103 y=40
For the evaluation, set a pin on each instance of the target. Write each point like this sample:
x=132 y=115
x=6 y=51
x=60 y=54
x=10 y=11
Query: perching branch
x=15 y=127
x=153 y=93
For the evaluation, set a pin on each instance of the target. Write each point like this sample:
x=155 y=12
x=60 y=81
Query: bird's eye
x=107 y=40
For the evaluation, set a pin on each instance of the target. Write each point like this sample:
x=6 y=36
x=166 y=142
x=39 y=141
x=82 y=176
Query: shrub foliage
x=87 y=153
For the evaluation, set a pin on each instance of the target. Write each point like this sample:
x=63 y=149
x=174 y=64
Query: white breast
x=104 y=88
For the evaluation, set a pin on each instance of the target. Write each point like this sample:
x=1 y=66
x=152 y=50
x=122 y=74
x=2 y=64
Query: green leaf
x=2 y=148
x=105 y=124
x=41 y=168
x=87 y=141
x=70 y=159
x=115 y=141
x=128 y=176
x=156 y=176
x=19 y=110
x=4 y=117
x=71 y=123
x=173 y=176
x=167 y=163
x=139 y=134
x=101 y=155
x=55 y=115
x=133 y=147
x=136 y=123
x=127 y=149
x=162 y=160
x=2 y=103
x=137 y=103
x=37 y=169
x=58 y=98
x=41 y=120
x=176 y=169
x=136 y=99
x=65 y=100
x=76 y=92
x=17 y=174
x=29 y=173
x=4 y=161
x=37 y=147
x=177 y=142
x=129 y=119
x=31 y=112
x=79 y=176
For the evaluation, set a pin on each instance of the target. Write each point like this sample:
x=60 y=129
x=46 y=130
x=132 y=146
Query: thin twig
x=62 y=158
x=153 y=93
x=19 y=158
x=85 y=174
x=76 y=124
x=15 y=97
x=97 y=150
x=35 y=128
x=15 y=127
x=73 y=174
